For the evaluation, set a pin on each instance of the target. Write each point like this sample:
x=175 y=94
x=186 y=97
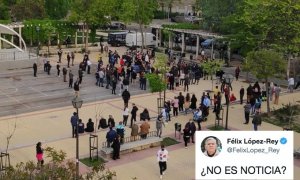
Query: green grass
x=169 y=141
x=92 y=163
x=216 y=128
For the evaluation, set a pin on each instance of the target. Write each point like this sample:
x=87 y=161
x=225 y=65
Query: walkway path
x=52 y=127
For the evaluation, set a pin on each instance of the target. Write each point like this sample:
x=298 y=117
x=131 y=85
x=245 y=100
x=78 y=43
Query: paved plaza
x=43 y=109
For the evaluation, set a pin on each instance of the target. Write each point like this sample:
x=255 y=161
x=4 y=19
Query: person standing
x=193 y=105
x=110 y=136
x=144 y=129
x=175 y=104
x=45 y=63
x=74 y=121
x=80 y=75
x=134 y=131
x=76 y=87
x=68 y=59
x=125 y=115
x=186 y=83
x=72 y=57
x=126 y=97
x=159 y=124
x=58 y=69
x=237 y=72
x=242 y=92
x=192 y=129
x=256 y=121
x=186 y=136
x=48 y=67
x=133 y=114
x=116 y=147
x=121 y=131
x=65 y=72
x=162 y=158
x=249 y=92
x=59 y=53
x=247 y=109
x=39 y=155
x=291 y=84
x=34 y=69
x=277 y=91
x=71 y=75
x=89 y=63
x=180 y=101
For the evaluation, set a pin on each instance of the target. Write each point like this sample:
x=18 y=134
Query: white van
x=135 y=39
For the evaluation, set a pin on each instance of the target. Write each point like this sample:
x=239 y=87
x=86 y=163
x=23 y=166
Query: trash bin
x=177 y=127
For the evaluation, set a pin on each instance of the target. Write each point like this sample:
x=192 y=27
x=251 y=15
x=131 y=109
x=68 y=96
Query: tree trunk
x=49 y=46
x=86 y=27
x=288 y=66
x=142 y=33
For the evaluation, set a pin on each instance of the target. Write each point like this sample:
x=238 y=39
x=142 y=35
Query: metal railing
x=16 y=55
x=133 y=138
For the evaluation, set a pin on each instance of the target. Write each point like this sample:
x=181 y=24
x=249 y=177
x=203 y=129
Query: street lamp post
x=77 y=103
x=228 y=80
x=38 y=33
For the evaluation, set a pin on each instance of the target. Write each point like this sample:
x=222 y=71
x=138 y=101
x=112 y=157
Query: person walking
x=133 y=114
x=162 y=158
x=39 y=155
x=71 y=75
x=159 y=124
x=80 y=75
x=74 y=121
x=34 y=69
x=116 y=145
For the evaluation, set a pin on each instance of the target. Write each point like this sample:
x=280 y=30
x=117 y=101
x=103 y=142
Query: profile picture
x=211 y=146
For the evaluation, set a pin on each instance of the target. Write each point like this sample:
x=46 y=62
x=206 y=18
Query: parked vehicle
x=207 y=43
x=117 y=25
x=135 y=39
x=117 y=38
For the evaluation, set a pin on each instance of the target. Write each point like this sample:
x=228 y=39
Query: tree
x=91 y=12
x=55 y=169
x=140 y=12
x=4 y=9
x=157 y=80
x=49 y=30
x=57 y=9
x=211 y=67
x=258 y=24
x=265 y=64
x=28 y=9
x=214 y=12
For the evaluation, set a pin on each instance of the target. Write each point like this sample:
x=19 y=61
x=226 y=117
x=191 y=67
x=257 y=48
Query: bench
x=131 y=145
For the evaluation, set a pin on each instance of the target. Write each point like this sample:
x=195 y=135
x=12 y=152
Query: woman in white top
x=182 y=75
x=120 y=84
x=125 y=115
